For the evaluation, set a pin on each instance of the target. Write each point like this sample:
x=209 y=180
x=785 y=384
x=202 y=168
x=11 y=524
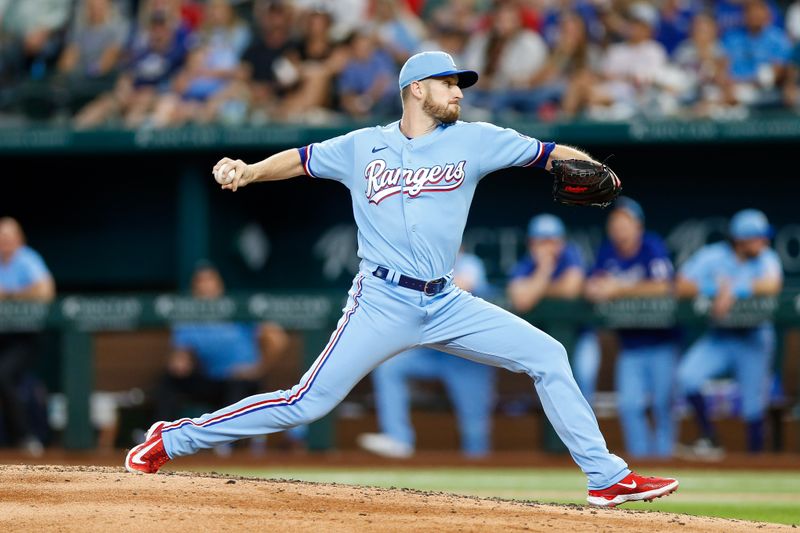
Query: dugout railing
x=76 y=318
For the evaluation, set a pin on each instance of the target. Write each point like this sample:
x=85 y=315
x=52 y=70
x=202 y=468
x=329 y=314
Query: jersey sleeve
x=505 y=147
x=34 y=268
x=696 y=269
x=331 y=159
x=181 y=337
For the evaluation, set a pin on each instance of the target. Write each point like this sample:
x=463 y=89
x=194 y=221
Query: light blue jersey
x=411 y=199
x=717 y=262
x=25 y=268
x=405 y=221
x=746 y=353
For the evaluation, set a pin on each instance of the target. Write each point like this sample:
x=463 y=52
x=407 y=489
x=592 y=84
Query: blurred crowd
x=168 y=63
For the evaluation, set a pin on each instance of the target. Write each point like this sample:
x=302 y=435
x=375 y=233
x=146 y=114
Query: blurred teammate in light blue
x=727 y=271
x=633 y=263
x=553 y=268
x=469 y=385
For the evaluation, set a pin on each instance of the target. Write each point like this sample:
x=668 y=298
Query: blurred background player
x=214 y=363
x=23 y=276
x=742 y=267
x=553 y=268
x=633 y=263
x=469 y=385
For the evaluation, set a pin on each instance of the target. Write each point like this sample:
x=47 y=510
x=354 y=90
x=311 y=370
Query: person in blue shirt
x=469 y=385
x=554 y=268
x=213 y=363
x=635 y=263
x=759 y=53
x=727 y=271
x=23 y=276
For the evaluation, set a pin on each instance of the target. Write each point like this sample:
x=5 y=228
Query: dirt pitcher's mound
x=80 y=498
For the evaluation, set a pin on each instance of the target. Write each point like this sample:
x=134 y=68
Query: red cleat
x=632 y=488
x=149 y=456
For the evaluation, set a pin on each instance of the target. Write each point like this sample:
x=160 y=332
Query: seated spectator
x=634 y=73
x=508 y=56
x=156 y=55
x=367 y=85
x=198 y=89
x=553 y=268
x=23 y=276
x=758 y=55
x=270 y=67
x=321 y=59
x=634 y=263
x=730 y=14
x=569 y=69
x=31 y=37
x=92 y=56
x=741 y=267
x=704 y=64
x=470 y=386
x=215 y=363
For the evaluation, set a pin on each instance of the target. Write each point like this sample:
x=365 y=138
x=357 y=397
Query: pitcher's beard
x=447 y=114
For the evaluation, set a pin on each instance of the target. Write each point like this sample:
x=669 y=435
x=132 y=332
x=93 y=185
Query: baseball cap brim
x=466 y=78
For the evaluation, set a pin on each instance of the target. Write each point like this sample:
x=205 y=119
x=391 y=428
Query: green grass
x=745 y=495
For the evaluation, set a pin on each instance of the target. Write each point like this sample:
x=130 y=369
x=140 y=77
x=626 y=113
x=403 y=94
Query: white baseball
x=224 y=178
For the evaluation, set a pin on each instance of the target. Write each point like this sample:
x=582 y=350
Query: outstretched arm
x=562 y=151
x=232 y=174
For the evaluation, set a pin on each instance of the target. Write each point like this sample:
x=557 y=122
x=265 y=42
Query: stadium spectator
x=631 y=263
x=366 y=85
x=758 y=55
x=269 y=70
x=730 y=14
x=704 y=65
x=158 y=51
x=31 y=36
x=553 y=268
x=569 y=69
x=469 y=385
x=321 y=59
x=198 y=89
x=509 y=56
x=23 y=276
x=92 y=56
x=214 y=363
x=632 y=74
x=727 y=271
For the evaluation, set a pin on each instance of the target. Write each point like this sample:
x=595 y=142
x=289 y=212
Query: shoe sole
x=648 y=496
x=147 y=436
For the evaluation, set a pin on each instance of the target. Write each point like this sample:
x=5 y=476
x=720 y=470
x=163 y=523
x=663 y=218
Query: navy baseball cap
x=430 y=64
x=546 y=226
x=749 y=224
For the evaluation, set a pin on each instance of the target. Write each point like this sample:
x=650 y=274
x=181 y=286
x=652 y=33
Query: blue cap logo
x=430 y=64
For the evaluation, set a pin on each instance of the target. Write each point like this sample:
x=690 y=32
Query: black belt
x=430 y=288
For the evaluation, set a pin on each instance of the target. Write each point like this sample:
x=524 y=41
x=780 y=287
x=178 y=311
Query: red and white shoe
x=632 y=488
x=149 y=456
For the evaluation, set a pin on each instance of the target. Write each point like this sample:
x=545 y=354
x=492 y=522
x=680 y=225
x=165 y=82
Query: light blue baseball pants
x=380 y=320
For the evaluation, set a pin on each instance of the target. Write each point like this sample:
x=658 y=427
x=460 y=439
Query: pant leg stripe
x=297 y=396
